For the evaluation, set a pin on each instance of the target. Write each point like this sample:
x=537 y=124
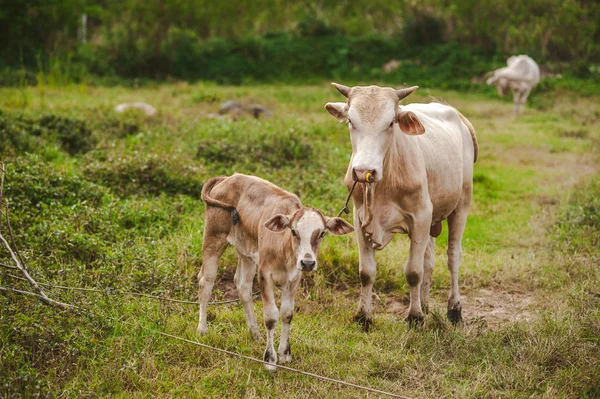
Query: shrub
x=20 y=134
x=149 y=175
x=276 y=150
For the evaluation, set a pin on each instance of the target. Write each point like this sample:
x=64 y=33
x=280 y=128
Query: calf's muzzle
x=307 y=265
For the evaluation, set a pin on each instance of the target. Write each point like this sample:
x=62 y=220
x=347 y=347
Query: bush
x=19 y=134
x=150 y=175
x=275 y=150
x=579 y=222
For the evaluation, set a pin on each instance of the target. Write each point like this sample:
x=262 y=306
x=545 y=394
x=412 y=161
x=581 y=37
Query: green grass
x=100 y=199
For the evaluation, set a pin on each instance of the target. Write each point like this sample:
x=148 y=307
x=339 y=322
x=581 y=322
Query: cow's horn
x=345 y=90
x=402 y=93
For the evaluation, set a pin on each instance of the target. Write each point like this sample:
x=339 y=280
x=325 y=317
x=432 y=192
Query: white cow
x=415 y=163
x=521 y=75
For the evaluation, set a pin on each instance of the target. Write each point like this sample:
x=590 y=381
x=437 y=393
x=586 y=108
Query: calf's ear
x=338 y=226
x=337 y=110
x=409 y=123
x=278 y=223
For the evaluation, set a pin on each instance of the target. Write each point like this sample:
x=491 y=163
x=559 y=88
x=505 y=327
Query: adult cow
x=415 y=163
x=520 y=75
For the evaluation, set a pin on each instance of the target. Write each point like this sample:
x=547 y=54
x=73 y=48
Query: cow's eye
x=323 y=233
x=294 y=233
x=392 y=123
x=349 y=121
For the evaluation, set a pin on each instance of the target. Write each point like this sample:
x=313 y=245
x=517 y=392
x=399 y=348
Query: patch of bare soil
x=495 y=307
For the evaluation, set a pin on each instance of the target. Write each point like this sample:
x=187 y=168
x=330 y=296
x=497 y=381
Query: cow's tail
x=473 y=136
x=210 y=201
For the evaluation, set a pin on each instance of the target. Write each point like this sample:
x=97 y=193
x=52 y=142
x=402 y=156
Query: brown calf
x=271 y=231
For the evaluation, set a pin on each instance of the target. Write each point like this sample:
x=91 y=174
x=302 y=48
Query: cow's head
x=500 y=82
x=308 y=227
x=371 y=113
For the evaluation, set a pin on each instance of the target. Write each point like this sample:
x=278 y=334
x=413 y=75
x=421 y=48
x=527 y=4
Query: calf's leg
x=271 y=314
x=243 y=280
x=212 y=249
x=287 y=313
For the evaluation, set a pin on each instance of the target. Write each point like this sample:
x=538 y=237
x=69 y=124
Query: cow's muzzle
x=364 y=175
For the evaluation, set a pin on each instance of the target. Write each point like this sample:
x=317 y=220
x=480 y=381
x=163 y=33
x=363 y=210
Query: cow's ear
x=278 y=223
x=337 y=110
x=409 y=123
x=338 y=226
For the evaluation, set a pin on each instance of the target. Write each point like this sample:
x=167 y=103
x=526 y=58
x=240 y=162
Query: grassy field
x=100 y=199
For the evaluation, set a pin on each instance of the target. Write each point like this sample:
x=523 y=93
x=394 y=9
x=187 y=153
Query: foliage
x=274 y=150
x=20 y=134
x=151 y=175
x=579 y=222
x=273 y=40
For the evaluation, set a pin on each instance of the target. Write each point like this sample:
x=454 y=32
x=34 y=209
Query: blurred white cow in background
x=521 y=75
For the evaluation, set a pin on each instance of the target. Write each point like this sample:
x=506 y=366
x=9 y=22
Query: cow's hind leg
x=243 y=280
x=456 y=227
x=414 y=270
x=215 y=241
x=428 y=265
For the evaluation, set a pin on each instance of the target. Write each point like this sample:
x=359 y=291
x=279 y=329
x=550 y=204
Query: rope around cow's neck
x=345 y=209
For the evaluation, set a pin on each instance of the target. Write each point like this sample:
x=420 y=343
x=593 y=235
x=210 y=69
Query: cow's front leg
x=287 y=313
x=271 y=314
x=413 y=270
x=367 y=268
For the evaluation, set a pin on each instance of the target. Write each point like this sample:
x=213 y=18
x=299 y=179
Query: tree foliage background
x=234 y=41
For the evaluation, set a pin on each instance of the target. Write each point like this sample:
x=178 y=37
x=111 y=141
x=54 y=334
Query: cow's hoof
x=202 y=330
x=414 y=321
x=363 y=321
x=455 y=316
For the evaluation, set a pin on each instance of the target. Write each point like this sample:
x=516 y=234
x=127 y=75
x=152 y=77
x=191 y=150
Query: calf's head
x=371 y=113
x=308 y=227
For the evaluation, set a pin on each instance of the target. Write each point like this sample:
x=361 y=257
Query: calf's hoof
x=256 y=336
x=285 y=359
x=455 y=316
x=271 y=358
x=415 y=320
x=285 y=354
x=364 y=321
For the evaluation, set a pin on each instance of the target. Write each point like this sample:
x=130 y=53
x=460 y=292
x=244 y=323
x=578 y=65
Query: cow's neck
x=400 y=164
x=398 y=176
